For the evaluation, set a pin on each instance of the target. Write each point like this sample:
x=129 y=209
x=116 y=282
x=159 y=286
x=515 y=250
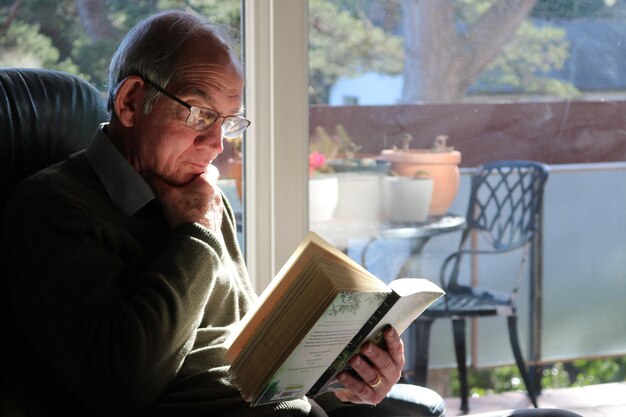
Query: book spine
x=339 y=363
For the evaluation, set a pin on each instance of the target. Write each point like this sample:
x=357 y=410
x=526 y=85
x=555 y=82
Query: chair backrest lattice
x=506 y=199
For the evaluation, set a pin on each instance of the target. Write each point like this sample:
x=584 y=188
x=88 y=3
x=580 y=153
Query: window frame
x=275 y=154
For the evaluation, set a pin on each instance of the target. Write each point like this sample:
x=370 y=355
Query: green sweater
x=114 y=314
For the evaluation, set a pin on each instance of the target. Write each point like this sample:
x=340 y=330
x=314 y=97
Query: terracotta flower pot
x=235 y=171
x=443 y=167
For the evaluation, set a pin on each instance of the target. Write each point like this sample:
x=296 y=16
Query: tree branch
x=93 y=17
x=487 y=37
x=12 y=14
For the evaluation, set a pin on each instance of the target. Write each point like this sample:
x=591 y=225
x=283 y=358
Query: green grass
x=559 y=375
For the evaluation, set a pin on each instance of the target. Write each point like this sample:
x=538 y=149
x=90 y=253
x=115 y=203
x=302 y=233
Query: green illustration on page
x=321 y=346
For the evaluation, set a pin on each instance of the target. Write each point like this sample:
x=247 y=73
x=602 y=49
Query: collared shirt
x=127 y=189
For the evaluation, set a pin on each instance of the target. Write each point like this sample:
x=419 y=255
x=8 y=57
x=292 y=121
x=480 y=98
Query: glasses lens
x=234 y=126
x=200 y=118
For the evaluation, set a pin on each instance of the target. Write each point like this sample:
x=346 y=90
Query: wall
x=551 y=132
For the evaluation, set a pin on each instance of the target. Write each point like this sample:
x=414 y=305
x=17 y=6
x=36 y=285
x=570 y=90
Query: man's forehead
x=208 y=48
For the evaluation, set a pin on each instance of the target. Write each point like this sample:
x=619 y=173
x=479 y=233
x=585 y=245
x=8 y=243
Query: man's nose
x=212 y=138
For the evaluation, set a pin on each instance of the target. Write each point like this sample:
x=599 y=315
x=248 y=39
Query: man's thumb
x=212 y=174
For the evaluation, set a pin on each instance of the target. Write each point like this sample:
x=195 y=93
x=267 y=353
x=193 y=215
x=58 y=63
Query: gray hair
x=151 y=49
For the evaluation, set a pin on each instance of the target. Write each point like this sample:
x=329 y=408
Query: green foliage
x=559 y=375
x=47 y=34
x=219 y=11
x=346 y=38
x=572 y=9
x=470 y=11
x=341 y=44
x=523 y=66
x=348 y=302
x=91 y=60
x=599 y=371
x=56 y=20
x=535 y=50
x=24 y=46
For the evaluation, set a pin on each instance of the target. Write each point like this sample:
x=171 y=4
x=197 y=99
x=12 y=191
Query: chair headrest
x=45 y=116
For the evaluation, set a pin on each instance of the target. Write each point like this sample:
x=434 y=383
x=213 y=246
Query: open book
x=313 y=317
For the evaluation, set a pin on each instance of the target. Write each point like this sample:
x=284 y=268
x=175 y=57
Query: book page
x=416 y=295
x=344 y=317
x=296 y=263
x=343 y=273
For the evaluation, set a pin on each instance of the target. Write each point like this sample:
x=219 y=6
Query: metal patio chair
x=503 y=216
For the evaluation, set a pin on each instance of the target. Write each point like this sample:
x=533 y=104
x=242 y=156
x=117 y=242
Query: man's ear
x=129 y=100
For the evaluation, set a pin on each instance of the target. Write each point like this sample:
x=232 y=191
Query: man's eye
x=208 y=116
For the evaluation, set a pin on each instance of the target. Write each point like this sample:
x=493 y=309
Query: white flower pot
x=360 y=197
x=443 y=167
x=407 y=199
x=323 y=197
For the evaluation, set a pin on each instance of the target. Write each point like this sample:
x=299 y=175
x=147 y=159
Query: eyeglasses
x=201 y=118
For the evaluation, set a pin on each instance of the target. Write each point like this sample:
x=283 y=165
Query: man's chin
x=186 y=179
x=180 y=180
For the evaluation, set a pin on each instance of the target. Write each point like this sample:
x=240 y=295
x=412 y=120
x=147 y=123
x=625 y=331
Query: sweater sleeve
x=115 y=335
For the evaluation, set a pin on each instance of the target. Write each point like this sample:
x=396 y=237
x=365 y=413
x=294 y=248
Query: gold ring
x=376 y=383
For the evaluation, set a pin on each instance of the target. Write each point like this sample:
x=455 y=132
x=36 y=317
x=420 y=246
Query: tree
x=452 y=47
x=80 y=36
x=443 y=58
x=11 y=13
x=94 y=19
x=344 y=42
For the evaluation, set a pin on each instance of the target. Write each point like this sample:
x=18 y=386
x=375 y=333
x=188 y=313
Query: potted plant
x=323 y=189
x=407 y=199
x=341 y=153
x=441 y=162
x=359 y=177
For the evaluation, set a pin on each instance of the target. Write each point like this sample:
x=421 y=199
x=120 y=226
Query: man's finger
x=212 y=174
x=395 y=346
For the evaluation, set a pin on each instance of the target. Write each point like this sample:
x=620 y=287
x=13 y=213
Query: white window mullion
x=276 y=171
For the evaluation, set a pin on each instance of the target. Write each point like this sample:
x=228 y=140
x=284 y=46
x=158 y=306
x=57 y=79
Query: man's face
x=165 y=146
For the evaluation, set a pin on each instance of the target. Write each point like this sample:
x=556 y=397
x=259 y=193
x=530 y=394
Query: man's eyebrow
x=202 y=94
x=237 y=112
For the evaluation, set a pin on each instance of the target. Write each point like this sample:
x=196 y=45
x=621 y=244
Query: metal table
x=418 y=235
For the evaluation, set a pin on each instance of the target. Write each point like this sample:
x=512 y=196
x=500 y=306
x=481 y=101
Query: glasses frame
x=198 y=109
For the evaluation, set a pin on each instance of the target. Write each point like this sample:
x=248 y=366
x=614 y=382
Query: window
x=499 y=80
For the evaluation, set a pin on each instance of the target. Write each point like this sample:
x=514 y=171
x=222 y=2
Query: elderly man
x=126 y=274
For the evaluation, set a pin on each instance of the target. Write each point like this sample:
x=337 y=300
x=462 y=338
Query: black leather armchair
x=44 y=117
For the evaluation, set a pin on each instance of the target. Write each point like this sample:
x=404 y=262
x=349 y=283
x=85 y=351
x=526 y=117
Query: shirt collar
x=127 y=189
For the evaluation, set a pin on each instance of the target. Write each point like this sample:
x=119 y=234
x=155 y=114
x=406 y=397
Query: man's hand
x=197 y=201
x=379 y=376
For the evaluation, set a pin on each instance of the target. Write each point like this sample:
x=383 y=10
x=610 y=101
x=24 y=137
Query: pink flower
x=316 y=161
